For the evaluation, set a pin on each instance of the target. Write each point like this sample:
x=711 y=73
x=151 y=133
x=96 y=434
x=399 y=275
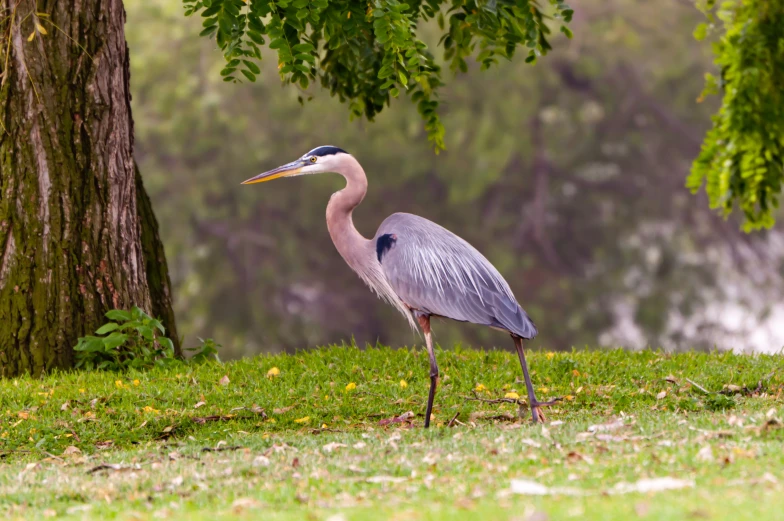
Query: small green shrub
x=206 y=352
x=132 y=340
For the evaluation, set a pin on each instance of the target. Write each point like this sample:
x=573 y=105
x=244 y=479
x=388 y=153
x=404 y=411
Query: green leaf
x=89 y=344
x=118 y=315
x=252 y=67
x=167 y=345
x=157 y=325
x=249 y=75
x=139 y=314
x=110 y=326
x=231 y=9
x=211 y=10
x=256 y=37
x=303 y=47
x=701 y=31
x=145 y=332
x=114 y=340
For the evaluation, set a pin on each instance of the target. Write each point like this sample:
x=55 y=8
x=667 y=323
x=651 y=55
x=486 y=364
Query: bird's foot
x=536 y=409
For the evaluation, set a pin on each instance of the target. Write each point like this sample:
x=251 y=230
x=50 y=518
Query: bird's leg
x=536 y=411
x=424 y=321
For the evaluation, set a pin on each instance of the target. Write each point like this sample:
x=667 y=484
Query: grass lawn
x=311 y=436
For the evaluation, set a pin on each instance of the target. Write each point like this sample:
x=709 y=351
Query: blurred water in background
x=568 y=175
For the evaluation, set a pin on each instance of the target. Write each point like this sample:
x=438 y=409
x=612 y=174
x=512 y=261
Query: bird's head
x=319 y=160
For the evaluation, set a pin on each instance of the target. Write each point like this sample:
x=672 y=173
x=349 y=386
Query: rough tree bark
x=77 y=232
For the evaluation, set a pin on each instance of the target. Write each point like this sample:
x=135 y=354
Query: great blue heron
x=416 y=265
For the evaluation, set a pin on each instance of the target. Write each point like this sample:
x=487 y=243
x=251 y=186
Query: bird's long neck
x=351 y=245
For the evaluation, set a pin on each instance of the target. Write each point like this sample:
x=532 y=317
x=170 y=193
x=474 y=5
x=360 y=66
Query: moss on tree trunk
x=77 y=232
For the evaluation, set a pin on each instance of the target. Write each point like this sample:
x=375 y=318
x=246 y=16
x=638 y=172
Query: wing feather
x=436 y=272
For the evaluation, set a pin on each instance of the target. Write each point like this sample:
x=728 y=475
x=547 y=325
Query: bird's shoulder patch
x=384 y=243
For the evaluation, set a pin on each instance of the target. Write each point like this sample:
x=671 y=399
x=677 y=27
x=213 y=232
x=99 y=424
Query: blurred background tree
x=568 y=175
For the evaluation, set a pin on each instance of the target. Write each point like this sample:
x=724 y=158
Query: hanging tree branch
x=742 y=157
x=367 y=52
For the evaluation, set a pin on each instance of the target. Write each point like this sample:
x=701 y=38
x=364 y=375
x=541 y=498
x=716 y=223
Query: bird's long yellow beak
x=286 y=170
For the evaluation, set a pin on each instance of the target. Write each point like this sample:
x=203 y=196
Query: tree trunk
x=77 y=232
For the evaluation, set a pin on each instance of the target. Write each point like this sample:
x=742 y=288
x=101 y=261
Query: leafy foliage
x=133 y=339
x=742 y=158
x=207 y=351
x=367 y=52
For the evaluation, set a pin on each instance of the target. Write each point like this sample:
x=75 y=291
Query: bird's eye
x=313 y=159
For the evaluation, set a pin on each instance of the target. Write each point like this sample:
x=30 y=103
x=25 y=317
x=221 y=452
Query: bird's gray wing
x=436 y=272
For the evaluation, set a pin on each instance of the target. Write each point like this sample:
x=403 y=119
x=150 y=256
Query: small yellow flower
x=569 y=397
x=272 y=373
x=323 y=425
x=479 y=388
x=351 y=386
x=136 y=383
x=550 y=355
x=543 y=389
x=118 y=383
x=513 y=396
x=575 y=372
x=305 y=419
x=271 y=420
x=147 y=408
x=403 y=384
x=326 y=397
x=4 y=435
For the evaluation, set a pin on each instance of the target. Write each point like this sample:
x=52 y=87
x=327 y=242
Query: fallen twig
x=320 y=430
x=221 y=449
x=406 y=417
x=517 y=401
x=205 y=419
x=112 y=466
x=5 y=454
x=698 y=386
x=476 y=398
